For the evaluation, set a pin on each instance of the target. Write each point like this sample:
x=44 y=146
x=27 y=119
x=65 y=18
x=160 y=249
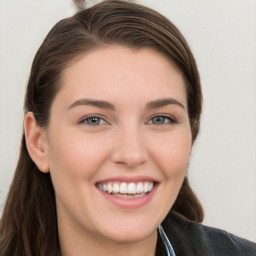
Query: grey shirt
x=193 y=239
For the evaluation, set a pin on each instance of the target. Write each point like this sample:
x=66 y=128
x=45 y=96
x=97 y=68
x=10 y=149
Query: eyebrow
x=107 y=105
x=163 y=102
x=92 y=102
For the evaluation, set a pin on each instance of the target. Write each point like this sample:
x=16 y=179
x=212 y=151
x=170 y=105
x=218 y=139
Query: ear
x=36 y=142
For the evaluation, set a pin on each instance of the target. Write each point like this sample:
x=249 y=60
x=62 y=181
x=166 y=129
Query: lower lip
x=130 y=203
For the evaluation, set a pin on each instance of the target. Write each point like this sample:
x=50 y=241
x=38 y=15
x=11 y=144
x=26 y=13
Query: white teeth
x=150 y=186
x=101 y=187
x=145 y=187
x=140 y=187
x=132 y=188
x=110 y=189
x=124 y=188
x=129 y=196
x=105 y=188
x=116 y=188
x=139 y=195
x=121 y=195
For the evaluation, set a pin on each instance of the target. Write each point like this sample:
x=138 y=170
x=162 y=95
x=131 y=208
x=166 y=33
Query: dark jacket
x=193 y=239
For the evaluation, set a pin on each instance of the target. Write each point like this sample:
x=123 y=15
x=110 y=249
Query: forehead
x=117 y=72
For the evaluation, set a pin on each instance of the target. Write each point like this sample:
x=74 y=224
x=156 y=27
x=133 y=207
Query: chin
x=130 y=233
x=134 y=237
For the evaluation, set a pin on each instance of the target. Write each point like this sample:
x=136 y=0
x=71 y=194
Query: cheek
x=173 y=153
x=75 y=157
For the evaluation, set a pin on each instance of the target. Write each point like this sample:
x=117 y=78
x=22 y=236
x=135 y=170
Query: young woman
x=112 y=109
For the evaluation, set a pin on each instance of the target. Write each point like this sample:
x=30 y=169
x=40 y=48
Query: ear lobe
x=35 y=141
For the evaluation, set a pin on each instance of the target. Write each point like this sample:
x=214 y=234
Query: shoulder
x=203 y=240
x=224 y=243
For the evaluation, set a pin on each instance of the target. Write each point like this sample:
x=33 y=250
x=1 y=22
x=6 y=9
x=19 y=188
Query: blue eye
x=93 y=120
x=158 y=120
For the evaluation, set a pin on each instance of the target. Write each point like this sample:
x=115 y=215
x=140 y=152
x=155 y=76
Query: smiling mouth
x=129 y=190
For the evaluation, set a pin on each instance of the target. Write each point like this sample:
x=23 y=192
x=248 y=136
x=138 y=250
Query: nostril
x=130 y=160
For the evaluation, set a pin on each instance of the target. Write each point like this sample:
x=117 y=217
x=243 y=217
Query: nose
x=130 y=148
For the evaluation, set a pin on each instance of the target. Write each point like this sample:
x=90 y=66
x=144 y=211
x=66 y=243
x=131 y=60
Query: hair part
x=29 y=223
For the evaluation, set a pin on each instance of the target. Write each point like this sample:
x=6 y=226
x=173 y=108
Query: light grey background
x=222 y=35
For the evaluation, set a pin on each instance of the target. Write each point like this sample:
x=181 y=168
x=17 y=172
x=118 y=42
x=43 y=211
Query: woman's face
x=118 y=143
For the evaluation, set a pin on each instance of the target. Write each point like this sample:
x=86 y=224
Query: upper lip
x=128 y=179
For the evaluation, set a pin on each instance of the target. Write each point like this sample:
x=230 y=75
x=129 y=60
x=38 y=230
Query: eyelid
x=171 y=118
x=82 y=120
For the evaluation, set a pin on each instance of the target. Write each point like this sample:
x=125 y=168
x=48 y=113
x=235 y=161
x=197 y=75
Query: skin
x=127 y=142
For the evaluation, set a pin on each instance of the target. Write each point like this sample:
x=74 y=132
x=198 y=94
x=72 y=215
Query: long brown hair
x=29 y=223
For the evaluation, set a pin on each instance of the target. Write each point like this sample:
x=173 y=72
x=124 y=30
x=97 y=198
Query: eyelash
x=168 y=118
x=85 y=120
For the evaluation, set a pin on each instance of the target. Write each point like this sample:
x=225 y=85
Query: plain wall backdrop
x=222 y=35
